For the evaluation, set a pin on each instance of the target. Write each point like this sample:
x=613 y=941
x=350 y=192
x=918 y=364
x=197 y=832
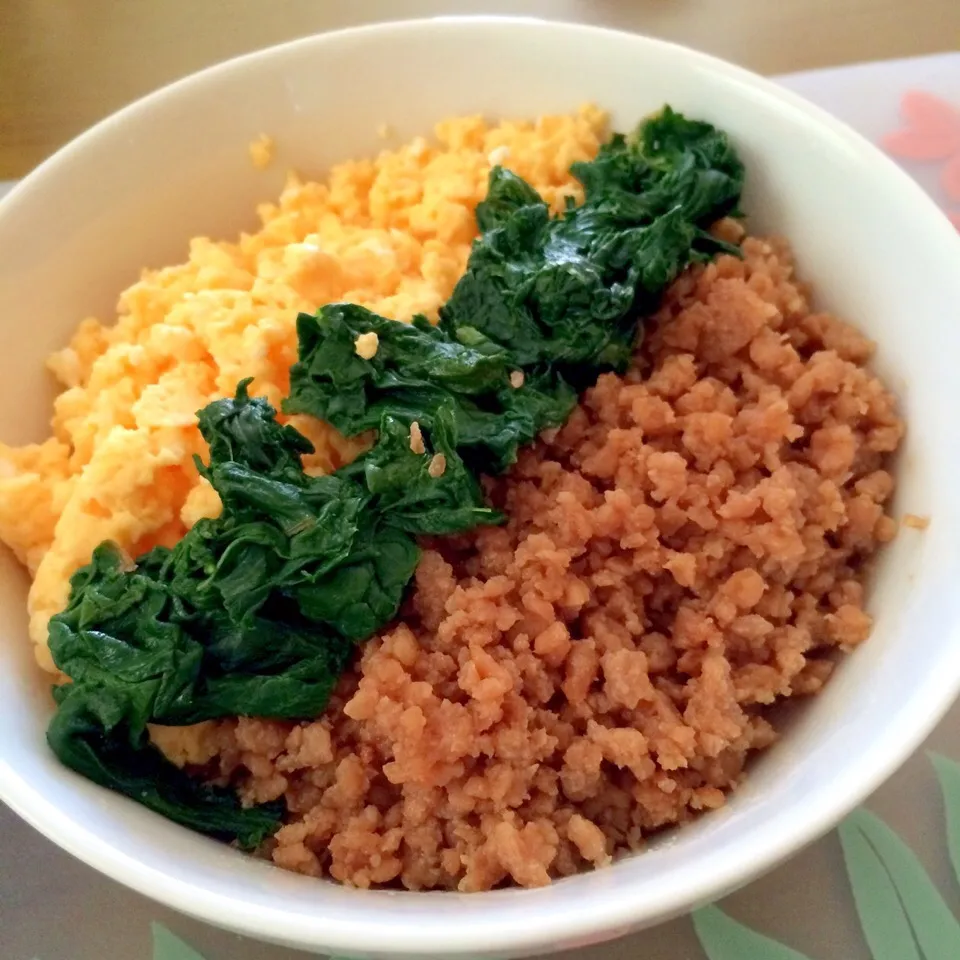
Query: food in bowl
x=622 y=555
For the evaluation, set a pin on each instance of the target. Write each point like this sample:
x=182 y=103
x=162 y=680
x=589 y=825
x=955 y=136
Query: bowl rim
x=587 y=919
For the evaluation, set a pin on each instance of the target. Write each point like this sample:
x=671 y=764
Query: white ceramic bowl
x=132 y=190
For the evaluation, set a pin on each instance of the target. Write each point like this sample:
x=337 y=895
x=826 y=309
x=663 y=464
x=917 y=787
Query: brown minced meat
x=685 y=552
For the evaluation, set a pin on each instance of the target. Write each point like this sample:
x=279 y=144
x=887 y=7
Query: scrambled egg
x=392 y=234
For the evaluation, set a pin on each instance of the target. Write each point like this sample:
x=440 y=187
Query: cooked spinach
x=258 y=611
x=557 y=299
x=420 y=372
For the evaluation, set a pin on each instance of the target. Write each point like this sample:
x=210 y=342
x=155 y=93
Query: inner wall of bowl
x=133 y=192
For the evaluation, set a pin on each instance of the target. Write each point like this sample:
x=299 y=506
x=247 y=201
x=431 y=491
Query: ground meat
x=686 y=551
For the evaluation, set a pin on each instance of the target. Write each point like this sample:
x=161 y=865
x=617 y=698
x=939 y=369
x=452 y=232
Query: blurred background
x=64 y=64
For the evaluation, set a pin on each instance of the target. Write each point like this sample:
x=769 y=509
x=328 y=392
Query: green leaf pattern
x=723 y=938
x=881 y=912
x=903 y=915
x=948 y=773
x=934 y=926
x=168 y=946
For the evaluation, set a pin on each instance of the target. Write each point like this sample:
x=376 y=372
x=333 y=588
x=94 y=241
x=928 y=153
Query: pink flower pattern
x=931 y=133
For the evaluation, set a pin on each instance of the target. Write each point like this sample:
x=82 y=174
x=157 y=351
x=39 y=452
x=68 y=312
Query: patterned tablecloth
x=886 y=886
